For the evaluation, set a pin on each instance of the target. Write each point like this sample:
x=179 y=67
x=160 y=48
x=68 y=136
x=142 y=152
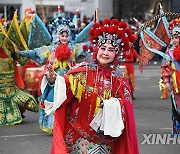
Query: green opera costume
x=12 y=97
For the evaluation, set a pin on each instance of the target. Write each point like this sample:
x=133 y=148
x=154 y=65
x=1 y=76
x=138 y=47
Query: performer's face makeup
x=64 y=38
x=176 y=40
x=106 y=54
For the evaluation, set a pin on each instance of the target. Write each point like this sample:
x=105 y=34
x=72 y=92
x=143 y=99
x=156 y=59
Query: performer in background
x=171 y=73
x=165 y=35
x=12 y=95
x=131 y=56
x=93 y=103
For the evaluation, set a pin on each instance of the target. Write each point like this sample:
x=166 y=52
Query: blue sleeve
x=39 y=55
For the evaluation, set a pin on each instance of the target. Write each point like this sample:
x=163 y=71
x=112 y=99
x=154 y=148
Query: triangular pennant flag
x=4 y=50
x=161 y=30
x=162 y=33
x=150 y=45
x=38 y=35
x=24 y=29
x=15 y=35
x=145 y=56
x=2 y=29
x=28 y=23
x=3 y=36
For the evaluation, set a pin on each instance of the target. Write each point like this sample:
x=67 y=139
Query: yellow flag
x=24 y=29
x=2 y=38
x=28 y=23
x=2 y=29
x=15 y=35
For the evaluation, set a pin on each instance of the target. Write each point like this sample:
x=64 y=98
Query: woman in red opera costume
x=94 y=112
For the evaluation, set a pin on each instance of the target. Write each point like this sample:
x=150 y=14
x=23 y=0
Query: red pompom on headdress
x=122 y=24
x=115 y=22
x=107 y=21
x=112 y=30
x=91 y=32
x=128 y=31
x=85 y=47
x=97 y=32
x=90 y=48
x=96 y=25
x=104 y=29
x=132 y=38
x=120 y=33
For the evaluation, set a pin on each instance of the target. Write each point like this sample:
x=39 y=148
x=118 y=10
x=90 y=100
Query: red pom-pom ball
x=106 y=21
x=85 y=47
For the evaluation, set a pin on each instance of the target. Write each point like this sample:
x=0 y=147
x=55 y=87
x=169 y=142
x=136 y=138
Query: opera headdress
x=59 y=25
x=112 y=31
x=174 y=27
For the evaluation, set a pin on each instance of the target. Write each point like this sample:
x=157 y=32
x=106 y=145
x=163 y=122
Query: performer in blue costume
x=61 y=54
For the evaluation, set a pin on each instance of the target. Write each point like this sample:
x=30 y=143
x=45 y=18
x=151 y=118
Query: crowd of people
x=84 y=100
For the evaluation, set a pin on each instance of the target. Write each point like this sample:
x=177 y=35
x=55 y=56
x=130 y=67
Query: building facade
x=48 y=8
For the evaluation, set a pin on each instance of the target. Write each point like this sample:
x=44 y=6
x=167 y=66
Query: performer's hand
x=51 y=76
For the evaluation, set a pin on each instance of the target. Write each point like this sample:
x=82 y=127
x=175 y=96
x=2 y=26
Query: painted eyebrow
x=111 y=48
x=103 y=46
